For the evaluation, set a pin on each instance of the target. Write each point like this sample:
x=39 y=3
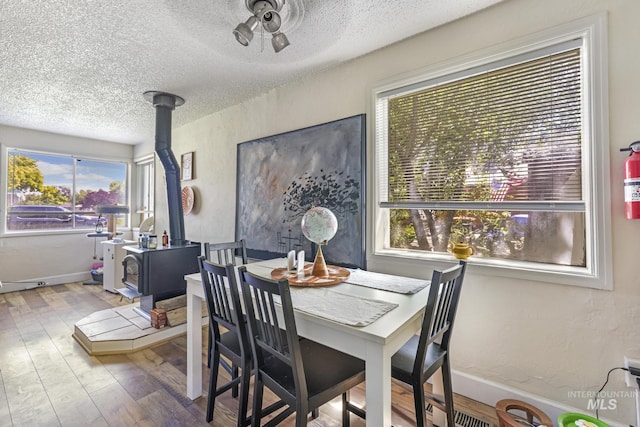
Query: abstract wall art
x=282 y=176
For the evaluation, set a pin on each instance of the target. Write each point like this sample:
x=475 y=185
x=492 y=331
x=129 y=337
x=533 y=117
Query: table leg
x=194 y=344
x=378 y=386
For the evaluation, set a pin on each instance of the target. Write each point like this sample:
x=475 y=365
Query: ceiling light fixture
x=266 y=13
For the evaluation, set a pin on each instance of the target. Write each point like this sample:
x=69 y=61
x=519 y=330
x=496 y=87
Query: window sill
x=526 y=271
x=60 y=232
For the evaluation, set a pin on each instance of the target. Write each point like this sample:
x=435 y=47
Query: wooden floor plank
x=52 y=298
x=163 y=410
x=5 y=413
x=34 y=300
x=172 y=354
x=135 y=380
x=67 y=395
x=47 y=379
x=16 y=299
x=14 y=357
x=72 y=404
x=54 y=324
x=6 y=319
x=119 y=408
x=174 y=381
x=26 y=321
x=89 y=371
x=28 y=401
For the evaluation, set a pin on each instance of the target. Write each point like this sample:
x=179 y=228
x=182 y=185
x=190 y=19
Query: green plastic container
x=569 y=419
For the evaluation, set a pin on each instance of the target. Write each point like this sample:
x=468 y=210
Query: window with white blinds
x=508 y=137
x=499 y=155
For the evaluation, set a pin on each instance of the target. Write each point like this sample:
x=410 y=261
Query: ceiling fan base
x=275 y=4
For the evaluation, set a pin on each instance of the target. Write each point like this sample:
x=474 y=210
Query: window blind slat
x=517 y=128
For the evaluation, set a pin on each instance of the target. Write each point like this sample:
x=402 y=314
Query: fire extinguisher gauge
x=633 y=147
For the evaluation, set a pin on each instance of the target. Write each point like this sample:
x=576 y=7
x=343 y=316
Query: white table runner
x=386 y=282
x=339 y=307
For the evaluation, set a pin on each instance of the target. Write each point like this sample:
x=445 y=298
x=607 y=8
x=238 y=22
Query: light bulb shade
x=271 y=21
x=244 y=31
x=279 y=42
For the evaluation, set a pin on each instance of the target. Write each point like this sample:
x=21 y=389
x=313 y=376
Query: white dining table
x=374 y=343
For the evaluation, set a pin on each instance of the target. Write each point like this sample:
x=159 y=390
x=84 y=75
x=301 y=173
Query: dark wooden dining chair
x=224 y=308
x=224 y=253
x=424 y=354
x=302 y=373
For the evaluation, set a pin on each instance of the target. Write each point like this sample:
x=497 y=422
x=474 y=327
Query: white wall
x=52 y=258
x=545 y=339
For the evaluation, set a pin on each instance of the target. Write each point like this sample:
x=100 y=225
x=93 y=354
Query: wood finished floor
x=47 y=379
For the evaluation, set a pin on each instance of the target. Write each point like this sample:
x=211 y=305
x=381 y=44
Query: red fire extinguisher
x=632 y=181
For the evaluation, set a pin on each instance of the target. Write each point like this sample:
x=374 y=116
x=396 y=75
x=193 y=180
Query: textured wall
x=546 y=339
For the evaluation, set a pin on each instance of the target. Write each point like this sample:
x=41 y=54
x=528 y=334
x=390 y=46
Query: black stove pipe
x=164 y=104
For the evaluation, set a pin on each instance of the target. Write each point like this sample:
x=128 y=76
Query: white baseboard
x=490 y=393
x=21 y=285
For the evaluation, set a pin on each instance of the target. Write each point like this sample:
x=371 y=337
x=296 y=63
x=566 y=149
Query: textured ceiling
x=80 y=67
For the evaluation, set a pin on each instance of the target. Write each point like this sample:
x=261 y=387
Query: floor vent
x=464 y=420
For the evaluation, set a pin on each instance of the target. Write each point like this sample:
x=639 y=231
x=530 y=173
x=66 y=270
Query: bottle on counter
x=165 y=239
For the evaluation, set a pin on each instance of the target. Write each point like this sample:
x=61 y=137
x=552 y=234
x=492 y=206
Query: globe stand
x=319 y=265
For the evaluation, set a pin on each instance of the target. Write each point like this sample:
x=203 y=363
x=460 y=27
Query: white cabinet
x=112 y=254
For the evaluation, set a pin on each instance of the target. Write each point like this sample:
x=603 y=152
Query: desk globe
x=319 y=225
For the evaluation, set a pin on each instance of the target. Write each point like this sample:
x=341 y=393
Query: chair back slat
x=440 y=310
x=443 y=306
x=226 y=253
x=268 y=329
x=222 y=296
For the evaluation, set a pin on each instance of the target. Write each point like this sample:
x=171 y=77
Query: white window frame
x=143 y=189
x=598 y=271
x=4 y=161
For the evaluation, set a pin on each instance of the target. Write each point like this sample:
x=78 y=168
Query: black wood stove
x=158 y=274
